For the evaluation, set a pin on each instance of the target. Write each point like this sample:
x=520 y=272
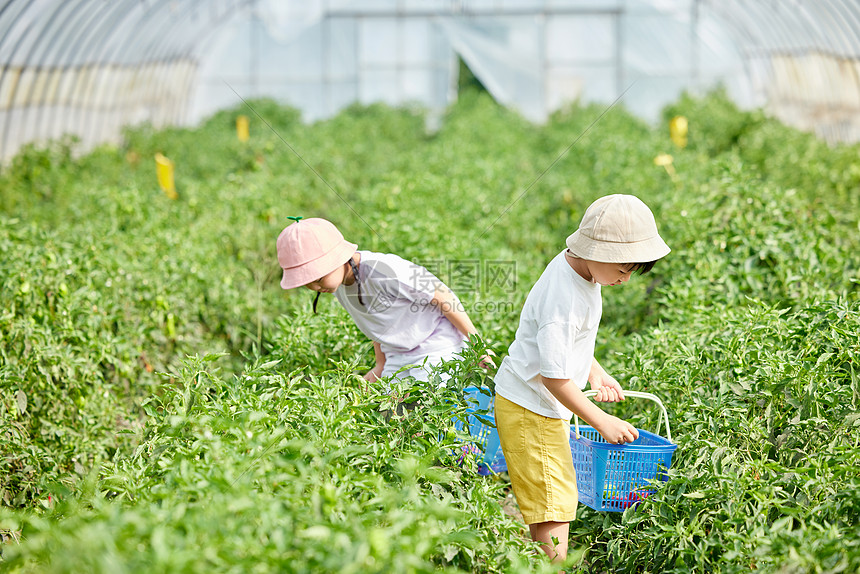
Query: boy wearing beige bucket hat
x=413 y=319
x=539 y=383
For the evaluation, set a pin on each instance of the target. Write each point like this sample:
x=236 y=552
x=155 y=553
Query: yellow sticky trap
x=242 y=128
x=678 y=131
x=665 y=160
x=164 y=172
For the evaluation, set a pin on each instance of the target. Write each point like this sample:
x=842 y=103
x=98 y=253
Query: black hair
x=357 y=284
x=641 y=268
x=354 y=268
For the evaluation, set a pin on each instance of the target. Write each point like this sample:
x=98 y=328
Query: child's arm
x=608 y=389
x=449 y=305
x=453 y=310
x=611 y=428
x=376 y=371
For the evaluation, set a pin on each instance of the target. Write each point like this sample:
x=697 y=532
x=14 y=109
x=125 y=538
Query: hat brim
x=320 y=267
x=643 y=251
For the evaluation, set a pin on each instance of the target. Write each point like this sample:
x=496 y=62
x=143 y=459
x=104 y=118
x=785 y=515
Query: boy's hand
x=617 y=431
x=608 y=389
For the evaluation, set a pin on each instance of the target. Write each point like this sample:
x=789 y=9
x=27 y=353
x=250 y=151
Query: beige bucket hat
x=618 y=229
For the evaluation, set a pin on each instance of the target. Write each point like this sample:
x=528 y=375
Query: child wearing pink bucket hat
x=413 y=319
x=539 y=383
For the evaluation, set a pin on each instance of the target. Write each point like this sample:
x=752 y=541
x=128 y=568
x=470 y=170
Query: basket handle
x=637 y=395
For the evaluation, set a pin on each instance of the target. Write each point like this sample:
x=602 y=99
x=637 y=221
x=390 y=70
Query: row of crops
x=166 y=407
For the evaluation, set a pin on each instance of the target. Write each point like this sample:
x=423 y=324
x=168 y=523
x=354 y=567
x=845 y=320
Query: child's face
x=607 y=274
x=328 y=283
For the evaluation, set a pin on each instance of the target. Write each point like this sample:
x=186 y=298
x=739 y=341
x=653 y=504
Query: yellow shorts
x=537 y=450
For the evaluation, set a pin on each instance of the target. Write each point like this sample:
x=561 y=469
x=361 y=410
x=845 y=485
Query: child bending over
x=413 y=319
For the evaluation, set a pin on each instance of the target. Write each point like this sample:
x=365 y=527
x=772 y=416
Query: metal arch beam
x=127 y=46
x=833 y=41
x=237 y=6
x=13 y=20
x=8 y=64
x=738 y=33
x=801 y=18
x=100 y=54
x=794 y=31
x=828 y=12
x=185 y=49
x=39 y=54
x=102 y=57
x=105 y=57
x=851 y=13
x=10 y=17
x=783 y=23
x=232 y=7
x=737 y=26
x=764 y=41
x=22 y=15
x=68 y=47
x=187 y=53
x=166 y=57
x=149 y=22
x=804 y=17
x=747 y=41
x=109 y=25
x=843 y=51
x=852 y=22
x=836 y=46
x=82 y=51
x=82 y=46
x=793 y=21
x=819 y=17
x=215 y=22
x=48 y=24
x=777 y=33
x=157 y=15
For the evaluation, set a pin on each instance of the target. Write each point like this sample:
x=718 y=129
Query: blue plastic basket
x=613 y=477
x=486 y=445
x=609 y=477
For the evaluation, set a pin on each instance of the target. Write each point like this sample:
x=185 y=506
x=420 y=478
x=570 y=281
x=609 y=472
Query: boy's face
x=607 y=274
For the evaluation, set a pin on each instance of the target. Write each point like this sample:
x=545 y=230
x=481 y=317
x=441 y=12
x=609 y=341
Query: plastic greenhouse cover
x=504 y=57
x=321 y=65
x=321 y=55
x=285 y=21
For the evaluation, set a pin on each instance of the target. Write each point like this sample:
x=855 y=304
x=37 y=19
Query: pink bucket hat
x=618 y=229
x=310 y=249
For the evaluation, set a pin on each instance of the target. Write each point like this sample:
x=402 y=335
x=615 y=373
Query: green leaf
x=21 y=400
x=269 y=364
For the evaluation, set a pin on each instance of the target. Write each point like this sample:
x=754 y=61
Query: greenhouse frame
x=88 y=68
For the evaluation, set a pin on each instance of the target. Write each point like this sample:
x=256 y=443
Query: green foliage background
x=165 y=407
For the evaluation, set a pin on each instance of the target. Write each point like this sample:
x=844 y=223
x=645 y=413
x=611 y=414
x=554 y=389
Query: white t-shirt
x=397 y=312
x=555 y=338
